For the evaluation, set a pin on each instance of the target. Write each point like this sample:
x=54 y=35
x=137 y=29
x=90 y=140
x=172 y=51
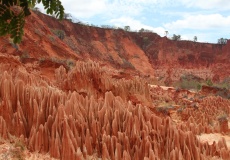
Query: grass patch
x=164 y=109
x=222 y=117
x=126 y=64
x=24 y=56
x=67 y=63
x=59 y=33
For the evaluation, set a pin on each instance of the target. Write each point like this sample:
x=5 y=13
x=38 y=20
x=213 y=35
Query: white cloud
x=207 y=4
x=84 y=8
x=135 y=25
x=208 y=28
x=200 y=22
x=118 y=8
x=109 y=8
x=201 y=37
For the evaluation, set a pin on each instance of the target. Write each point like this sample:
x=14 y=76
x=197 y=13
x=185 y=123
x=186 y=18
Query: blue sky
x=209 y=20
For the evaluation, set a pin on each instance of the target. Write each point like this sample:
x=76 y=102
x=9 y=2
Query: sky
x=209 y=20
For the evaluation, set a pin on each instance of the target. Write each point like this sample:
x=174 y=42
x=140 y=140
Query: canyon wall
x=137 y=53
x=173 y=59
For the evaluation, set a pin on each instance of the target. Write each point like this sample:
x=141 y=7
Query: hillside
x=71 y=91
x=173 y=59
x=138 y=52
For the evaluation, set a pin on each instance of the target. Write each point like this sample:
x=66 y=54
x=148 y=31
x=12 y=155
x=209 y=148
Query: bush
x=190 y=82
x=24 y=56
x=19 y=144
x=222 y=41
x=70 y=63
x=18 y=150
x=127 y=28
x=126 y=64
x=164 y=109
x=209 y=82
x=225 y=84
x=36 y=9
x=145 y=30
x=222 y=118
x=199 y=86
x=59 y=33
x=176 y=37
x=67 y=63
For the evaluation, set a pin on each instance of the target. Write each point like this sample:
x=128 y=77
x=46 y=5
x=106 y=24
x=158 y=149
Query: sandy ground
x=163 y=87
x=210 y=138
x=10 y=151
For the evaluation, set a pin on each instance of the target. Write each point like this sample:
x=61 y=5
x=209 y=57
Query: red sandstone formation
x=71 y=126
x=104 y=109
x=173 y=59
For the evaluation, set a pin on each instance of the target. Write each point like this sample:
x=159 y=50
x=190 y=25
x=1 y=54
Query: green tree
x=13 y=13
x=195 y=38
x=222 y=41
x=176 y=37
x=68 y=16
x=127 y=28
x=166 y=33
x=142 y=30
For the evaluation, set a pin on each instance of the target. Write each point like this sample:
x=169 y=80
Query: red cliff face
x=136 y=53
x=59 y=101
x=108 y=46
x=176 y=58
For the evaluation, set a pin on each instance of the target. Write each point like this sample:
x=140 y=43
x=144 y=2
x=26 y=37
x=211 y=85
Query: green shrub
x=225 y=84
x=190 y=82
x=24 y=55
x=222 y=117
x=70 y=63
x=126 y=64
x=52 y=39
x=199 y=86
x=145 y=41
x=59 y=33
x=18 y=150
x=209 y=82
x=19 y=144
x=164 y=109
x=39 y=32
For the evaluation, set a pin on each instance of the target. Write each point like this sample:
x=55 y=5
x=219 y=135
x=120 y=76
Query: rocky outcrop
x=70 y=125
